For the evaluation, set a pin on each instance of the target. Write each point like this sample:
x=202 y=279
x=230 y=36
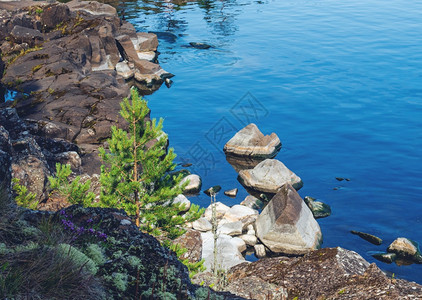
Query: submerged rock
x=269 y=176
x=368 y=237
x=319 y=209
x=199 y=45
x=385 y=257
x=250 y=142
x=286 y=224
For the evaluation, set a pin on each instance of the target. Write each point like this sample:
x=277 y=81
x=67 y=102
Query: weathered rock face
x=269 y=176
x=286 y=224
x=250 y=142
x=331 y=273
x=67 y=54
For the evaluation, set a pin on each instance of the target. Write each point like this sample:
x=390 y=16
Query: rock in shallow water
x=269 y=176
x=406 y=249
x=231 y=193
x=286 y=224
x=318 y=208
x=250 y=142
x=194 y=185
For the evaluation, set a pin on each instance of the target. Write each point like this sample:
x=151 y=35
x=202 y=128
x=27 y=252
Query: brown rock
x=192 y=241
x=54 y=15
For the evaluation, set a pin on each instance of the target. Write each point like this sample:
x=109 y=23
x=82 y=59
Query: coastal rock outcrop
x=250 y=142
x=58 y=55
x=286 y=224
x=269 y=176
x=329 y=273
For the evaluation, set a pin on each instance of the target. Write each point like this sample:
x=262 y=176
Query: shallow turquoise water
x=339 y=82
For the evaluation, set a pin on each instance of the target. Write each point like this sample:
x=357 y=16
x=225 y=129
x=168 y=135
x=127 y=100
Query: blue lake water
x=340 y=82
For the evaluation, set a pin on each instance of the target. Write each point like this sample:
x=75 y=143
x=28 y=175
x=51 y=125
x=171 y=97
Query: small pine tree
x=135 y=175
x=75 y=192
x=23 y=197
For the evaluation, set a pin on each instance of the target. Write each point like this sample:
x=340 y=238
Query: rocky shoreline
x=71 y=65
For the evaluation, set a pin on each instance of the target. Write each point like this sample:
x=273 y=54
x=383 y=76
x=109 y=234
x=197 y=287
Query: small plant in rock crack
x=79 y=232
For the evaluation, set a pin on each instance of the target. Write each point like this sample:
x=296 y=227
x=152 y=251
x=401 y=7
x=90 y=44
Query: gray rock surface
x=286 y=224
x=232 y=228
x=202 y=224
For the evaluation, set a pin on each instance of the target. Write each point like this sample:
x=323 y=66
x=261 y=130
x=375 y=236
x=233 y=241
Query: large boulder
x=269 y=176
x=250 y=142
x=286 y=224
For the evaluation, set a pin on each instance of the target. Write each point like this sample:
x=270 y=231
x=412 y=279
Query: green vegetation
x=22 y=196
x=136 y=176
x=75 y=192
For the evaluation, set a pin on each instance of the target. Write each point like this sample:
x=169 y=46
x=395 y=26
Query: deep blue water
x=340 y=82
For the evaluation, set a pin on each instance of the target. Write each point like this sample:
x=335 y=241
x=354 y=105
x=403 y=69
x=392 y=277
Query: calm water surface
x=339 y=82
